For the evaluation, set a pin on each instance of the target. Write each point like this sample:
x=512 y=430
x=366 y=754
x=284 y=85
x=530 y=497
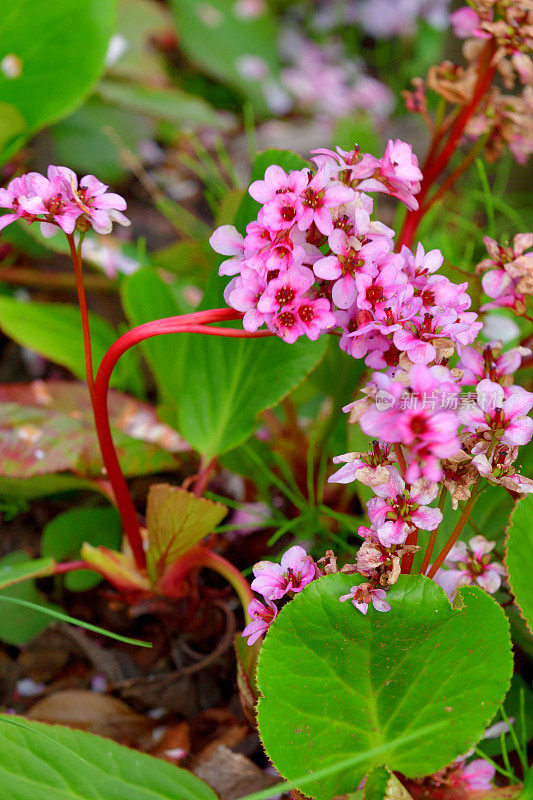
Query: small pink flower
x=295 y=571
x=315 y=316
x=395 y=511
x=502 y=413
x=286 y=290
x=262 y=616
x=467 y=564
x=320 y=196
x=10 y=198
x=243 y=294
x=491 y=363
x=98 y=207
x=478 y=776
x=227 y=241
x=276 y=182
x=364 y=594
x=465 y=22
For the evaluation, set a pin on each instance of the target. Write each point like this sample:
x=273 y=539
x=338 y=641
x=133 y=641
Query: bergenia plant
x=381 y=671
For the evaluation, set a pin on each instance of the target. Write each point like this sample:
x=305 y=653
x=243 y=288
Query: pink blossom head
x=295 y=571
x=364 y=594
x=261 y=615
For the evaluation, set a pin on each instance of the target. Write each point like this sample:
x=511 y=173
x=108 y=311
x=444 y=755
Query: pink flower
x=375 y=291
x=397 y=173
x=465 y=22
x=500 y=470
x=98 y=207
x=243 y=294
x=50 y=199
x=361 y=596
x=295 y=571
x=470 y=564
x=503 y=415
x=320 y=196
x=370 y=468
x=477 y=775
x=227 y=241
x=286 y=290
x=276 y=182
x=10 y=198
x=395 y=511
x=419 y=423
x=345 y=266
x=315 y=316
x=491 y=363
x=262 y=616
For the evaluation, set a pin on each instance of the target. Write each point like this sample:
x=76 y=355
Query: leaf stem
x=197 y=322
x=461 y=522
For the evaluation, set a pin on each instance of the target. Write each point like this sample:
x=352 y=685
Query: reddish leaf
x=48 y=427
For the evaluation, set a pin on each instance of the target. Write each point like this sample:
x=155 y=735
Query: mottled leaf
x=176 y=521
x=48 y=427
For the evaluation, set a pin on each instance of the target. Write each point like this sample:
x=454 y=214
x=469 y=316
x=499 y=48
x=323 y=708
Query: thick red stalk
x=454 y=536
x=196 y=322
x=437 y=163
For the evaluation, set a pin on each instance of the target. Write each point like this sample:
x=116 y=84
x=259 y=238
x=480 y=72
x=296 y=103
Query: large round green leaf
x=519 y=546
x=411 y=688
x=59 y=48
x=56 y=763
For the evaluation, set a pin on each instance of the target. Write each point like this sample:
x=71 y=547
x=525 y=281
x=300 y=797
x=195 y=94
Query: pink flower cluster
x=275 y=581
x=59 y=201
x=314 y=260
x=426 y=428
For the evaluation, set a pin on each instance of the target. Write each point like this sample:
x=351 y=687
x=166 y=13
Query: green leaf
x=172 y=105
x=40 y=610
x=54 y=331
x=176 y=521
x=284 y=158
x=232 y=380
x=64 y=536
x=82 y=141
x=146 y=297
x=11 y=124
x=21 y=624
x=519 y=546
x=38 y=760
x=376 y=783
x=216 y=38
x=410 y=688
x=25 y=570
x=61 y=52
x=381 y=784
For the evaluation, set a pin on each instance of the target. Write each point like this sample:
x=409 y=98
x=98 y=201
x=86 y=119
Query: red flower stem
x=407 y=560
x=454 y=176
x=199 y=557
x=186 y=323
x=461 y=522
x=82 y=301
x=437 y=163
x=400 y=459
x=432 y=537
